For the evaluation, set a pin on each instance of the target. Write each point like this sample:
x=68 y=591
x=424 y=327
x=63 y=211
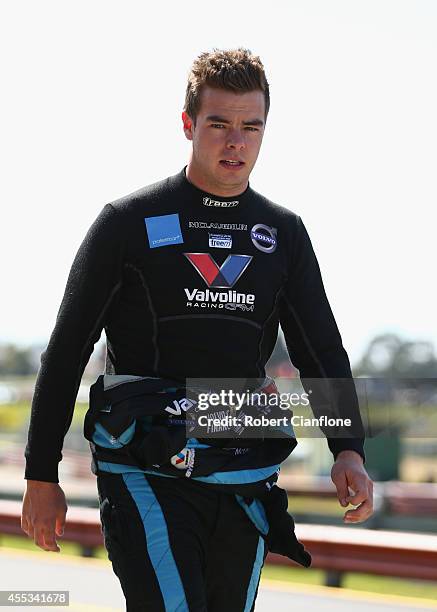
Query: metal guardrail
x=398 y=506
x=337 y=550
x=401 y=498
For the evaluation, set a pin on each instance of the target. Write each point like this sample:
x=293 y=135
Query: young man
x=190 y=278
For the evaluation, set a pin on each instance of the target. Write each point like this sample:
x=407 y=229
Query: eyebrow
x=219 y=119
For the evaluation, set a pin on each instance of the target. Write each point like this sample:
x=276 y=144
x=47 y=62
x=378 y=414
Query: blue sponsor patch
x=163 y=231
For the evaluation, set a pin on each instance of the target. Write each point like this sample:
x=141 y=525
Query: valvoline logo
x=224 y=276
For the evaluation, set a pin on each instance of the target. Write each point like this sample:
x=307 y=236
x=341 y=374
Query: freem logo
x=211 y=202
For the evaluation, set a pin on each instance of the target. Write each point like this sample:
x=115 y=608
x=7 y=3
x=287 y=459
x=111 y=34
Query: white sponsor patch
x=220 y=241
x=181 y=461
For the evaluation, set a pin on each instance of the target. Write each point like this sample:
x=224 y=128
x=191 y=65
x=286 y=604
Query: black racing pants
x=178 y=546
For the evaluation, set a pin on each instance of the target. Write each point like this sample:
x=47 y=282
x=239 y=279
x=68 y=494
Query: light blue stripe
x=239 y=476
x=235 y=477
x=255 y=575
x=102 y=437
x=194 y=443
x=256 y=512
x=121 y=468
x=158 y=543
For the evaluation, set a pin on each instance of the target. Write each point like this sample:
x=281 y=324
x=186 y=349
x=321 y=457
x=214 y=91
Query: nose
x=236 y=140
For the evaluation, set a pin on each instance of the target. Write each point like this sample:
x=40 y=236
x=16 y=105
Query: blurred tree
x=16 y=361
x=391 y=356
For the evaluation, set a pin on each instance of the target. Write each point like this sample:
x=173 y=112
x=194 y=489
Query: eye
x=217 y=125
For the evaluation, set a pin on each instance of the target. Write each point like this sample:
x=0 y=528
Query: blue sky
x=92 y=95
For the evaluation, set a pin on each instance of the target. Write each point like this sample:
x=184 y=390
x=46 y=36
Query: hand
x=43 y=513
x=348 y=473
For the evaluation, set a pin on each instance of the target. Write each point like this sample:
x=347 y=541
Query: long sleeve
x=314 y=342
x=93 y=282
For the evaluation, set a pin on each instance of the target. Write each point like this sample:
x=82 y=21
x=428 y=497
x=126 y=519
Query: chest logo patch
x=164 y=230
x=220 y=241
x=211 y=202
x=264 y=237
x=224 y=276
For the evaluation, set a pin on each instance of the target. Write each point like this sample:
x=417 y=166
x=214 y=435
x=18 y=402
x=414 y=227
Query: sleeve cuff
x=46 y=473
x=336 y=445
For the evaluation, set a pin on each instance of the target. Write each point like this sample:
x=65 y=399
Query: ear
x=188 y=126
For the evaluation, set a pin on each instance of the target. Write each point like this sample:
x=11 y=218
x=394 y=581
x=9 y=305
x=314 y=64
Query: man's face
x=229 y=128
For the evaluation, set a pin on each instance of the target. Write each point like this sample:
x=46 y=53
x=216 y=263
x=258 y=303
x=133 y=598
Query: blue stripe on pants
x=158 y=544
x=255 y=575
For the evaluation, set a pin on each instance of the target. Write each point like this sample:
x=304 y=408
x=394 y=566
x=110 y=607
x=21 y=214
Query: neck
x=199 y=181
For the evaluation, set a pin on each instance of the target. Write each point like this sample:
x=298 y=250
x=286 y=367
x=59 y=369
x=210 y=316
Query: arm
x=93 y=282
x=315 y=348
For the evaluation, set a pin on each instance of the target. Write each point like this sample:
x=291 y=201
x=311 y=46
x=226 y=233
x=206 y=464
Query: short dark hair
x=236 y=70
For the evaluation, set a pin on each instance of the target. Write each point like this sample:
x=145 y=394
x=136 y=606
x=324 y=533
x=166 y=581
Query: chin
x=238 y=176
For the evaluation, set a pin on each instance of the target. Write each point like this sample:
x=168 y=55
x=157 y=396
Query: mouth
x=231 y=163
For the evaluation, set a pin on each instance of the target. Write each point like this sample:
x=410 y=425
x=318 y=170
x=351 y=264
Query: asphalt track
x=94 y=588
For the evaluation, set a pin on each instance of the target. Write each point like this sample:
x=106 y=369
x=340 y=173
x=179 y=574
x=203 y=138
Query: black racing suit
x=186 y=284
